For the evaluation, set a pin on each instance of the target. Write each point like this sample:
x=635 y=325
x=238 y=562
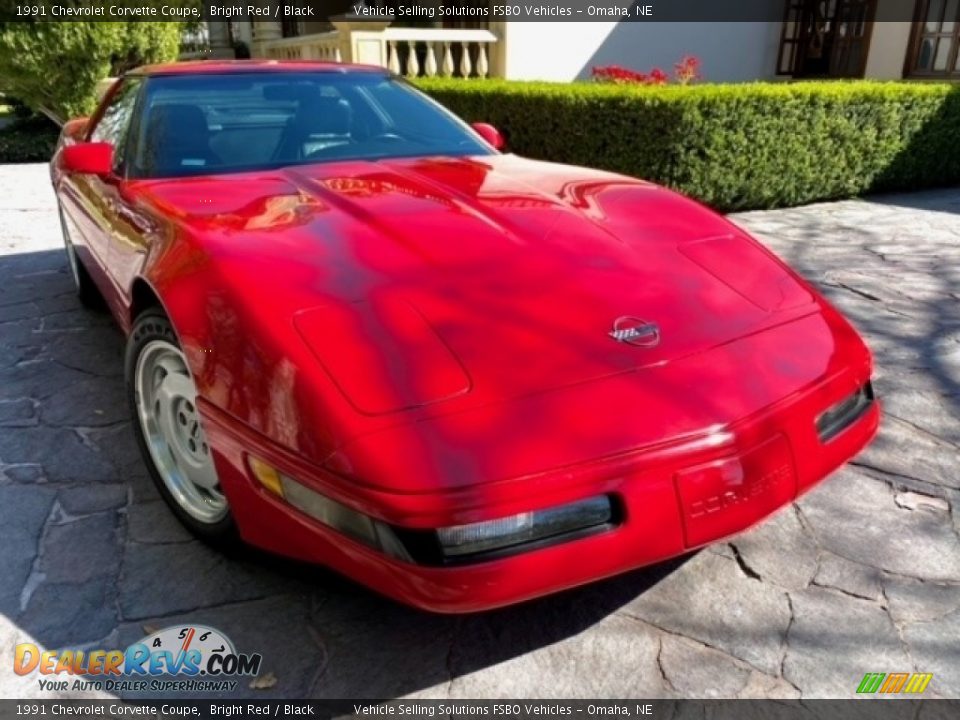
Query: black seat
x=319 y=122
x=178 y=141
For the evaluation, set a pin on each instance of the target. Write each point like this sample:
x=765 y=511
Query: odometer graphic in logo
x=188 y=650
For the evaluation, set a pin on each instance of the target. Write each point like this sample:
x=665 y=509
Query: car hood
x=419 y=282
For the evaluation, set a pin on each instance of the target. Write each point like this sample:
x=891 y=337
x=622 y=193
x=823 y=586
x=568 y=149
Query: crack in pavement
x=843 y=591
x=448 y=660
x=736 y=659
x=786 y=645
x=321 y=671
x=106 y=375
x=907 y=482
x=668 y=683
x=922 y=430
x=855 y=291
x=807 y=527
x=744 y=567
x=37 y=576
x=904 y=645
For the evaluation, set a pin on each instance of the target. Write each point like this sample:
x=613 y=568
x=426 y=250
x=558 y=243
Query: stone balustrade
x=319 y=46
x=428 y=52
x=413 y=52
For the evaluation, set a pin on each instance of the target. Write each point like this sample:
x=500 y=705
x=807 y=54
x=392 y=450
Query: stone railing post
x=361 y=40
x=264 y=31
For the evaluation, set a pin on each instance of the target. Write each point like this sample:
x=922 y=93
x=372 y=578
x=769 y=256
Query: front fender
x=247 y=357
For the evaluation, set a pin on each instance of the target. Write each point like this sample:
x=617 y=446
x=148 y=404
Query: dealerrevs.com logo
x=178 y=658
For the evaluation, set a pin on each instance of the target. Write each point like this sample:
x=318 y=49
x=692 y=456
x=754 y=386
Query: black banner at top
x=503 y=709
x=419 y=12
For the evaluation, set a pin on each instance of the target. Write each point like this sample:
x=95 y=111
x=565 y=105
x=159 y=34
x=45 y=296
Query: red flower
x=658 y=77
x=687 y=70
x=617 y=74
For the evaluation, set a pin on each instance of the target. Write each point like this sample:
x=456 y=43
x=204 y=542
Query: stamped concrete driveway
x=863 y=574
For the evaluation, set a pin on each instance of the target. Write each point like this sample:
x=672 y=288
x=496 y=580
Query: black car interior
x=193 y=126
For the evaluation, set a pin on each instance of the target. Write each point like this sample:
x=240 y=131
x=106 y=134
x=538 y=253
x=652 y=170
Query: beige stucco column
x=244 y=33
x=498 y=54
x=263 y=31
x=361 y=41
x=219 y=37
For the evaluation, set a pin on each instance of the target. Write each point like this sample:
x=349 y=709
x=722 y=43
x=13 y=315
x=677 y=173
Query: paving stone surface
x=861 y=574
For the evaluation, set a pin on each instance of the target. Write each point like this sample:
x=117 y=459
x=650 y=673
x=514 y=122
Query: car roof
x=225 y=67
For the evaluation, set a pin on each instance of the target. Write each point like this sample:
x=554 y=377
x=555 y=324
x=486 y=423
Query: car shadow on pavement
x=92 y=557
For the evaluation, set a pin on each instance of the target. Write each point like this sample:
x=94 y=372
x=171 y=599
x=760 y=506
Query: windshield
x=207 y=124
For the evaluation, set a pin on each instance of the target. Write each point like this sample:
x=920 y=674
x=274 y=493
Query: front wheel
x=163 y=402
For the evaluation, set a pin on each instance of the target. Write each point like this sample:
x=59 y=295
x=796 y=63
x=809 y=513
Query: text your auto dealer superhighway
x=121 y=11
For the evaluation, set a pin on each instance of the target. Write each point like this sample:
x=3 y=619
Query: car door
x=132 y=227
x=91 y=204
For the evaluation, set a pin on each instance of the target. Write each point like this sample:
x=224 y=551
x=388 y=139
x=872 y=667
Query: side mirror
x=490 y=134
x=91 y=158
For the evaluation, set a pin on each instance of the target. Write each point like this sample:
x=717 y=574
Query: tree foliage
x=55 y=66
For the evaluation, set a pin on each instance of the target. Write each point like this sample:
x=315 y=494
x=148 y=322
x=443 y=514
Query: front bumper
x=675 y=498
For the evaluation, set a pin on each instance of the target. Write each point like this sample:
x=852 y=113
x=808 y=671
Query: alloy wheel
x=167 y=412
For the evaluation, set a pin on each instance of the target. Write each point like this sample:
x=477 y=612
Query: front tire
x=86 y=289
x=162 y=399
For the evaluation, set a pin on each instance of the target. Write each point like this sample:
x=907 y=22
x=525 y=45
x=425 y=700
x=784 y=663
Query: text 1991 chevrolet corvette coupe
x=360 y=335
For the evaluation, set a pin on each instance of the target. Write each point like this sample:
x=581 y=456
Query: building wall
x=888 y=50
x=565 y=51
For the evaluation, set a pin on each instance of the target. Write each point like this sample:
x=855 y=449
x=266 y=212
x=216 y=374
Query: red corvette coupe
x=360 y=335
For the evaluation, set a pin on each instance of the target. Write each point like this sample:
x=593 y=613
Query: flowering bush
x=687 y=70
x=624 y=76
x=684 y=72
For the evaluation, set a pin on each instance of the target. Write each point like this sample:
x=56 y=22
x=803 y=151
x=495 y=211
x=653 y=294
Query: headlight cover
x=525 y=529
x=843 y=414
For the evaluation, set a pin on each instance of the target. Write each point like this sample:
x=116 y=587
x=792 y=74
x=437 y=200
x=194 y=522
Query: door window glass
x=115 y=121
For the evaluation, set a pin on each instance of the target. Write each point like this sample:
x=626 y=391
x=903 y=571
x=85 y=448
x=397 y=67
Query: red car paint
x=426 y=340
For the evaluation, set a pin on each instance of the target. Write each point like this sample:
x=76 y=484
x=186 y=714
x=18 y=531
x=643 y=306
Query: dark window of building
x=936 y=40
x=825 y=38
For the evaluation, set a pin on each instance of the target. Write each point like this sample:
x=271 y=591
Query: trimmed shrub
x=734 y=147
x=55 y=66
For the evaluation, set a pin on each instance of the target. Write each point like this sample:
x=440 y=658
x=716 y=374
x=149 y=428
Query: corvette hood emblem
x=634 y=331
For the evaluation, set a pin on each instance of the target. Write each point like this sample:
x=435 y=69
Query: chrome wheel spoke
x=171 y=365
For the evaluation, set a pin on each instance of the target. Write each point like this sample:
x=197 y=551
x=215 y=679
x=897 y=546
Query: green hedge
x=55 y=66
x=735 y=147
